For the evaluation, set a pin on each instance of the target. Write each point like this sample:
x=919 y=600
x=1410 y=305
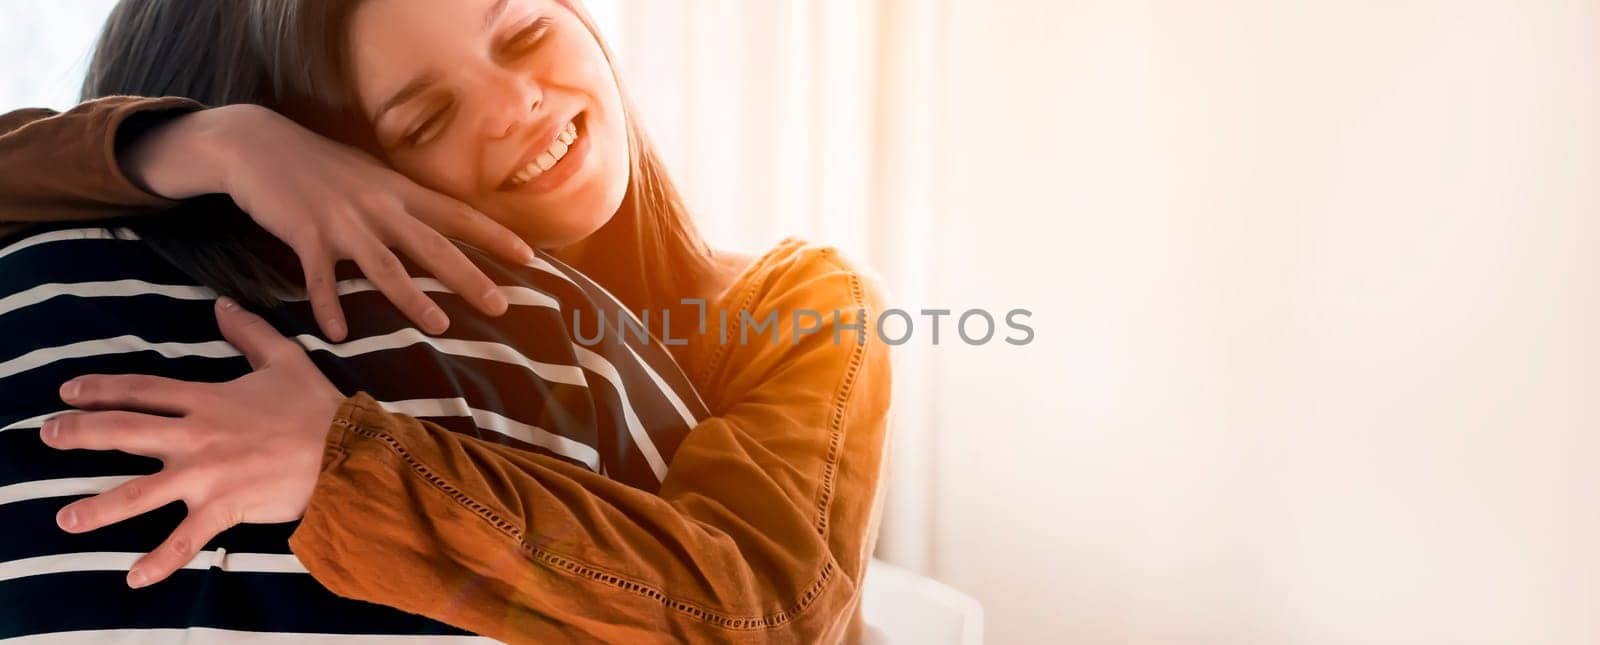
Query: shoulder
x=799 y=311
x=801 y=274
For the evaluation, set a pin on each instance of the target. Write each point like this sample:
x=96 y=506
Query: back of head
x=200 y=49
x=203 y=50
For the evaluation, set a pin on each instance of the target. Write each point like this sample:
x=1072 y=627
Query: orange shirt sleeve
x=761 y=531
x=63 y=166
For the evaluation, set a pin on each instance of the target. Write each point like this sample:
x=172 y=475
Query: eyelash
x=518 y=44
x=414 y=139
x=527 y=38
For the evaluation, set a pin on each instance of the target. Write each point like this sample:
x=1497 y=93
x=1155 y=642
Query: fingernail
x=496 y=300
x=70 y=389
x=68 y=519
x=50 y=431
x=335 y=329
x=436 y=321
x=137 y=578
x=227 y=303
x=525 y=251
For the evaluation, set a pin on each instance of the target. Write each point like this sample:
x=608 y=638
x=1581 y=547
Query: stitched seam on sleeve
x=841 y=400
x=574 y=567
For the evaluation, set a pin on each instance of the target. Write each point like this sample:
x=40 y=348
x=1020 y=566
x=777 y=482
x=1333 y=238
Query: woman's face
x=507 y=105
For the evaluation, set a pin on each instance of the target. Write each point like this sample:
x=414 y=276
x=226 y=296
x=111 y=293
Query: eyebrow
x=421 y=83
x=410 y=91
x=494 y=12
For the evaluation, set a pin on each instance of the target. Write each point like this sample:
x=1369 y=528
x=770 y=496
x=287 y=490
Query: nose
x=509 y=105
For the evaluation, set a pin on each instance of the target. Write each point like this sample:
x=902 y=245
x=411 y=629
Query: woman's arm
x=118 y=156
x=761 y=531
x=64 y=166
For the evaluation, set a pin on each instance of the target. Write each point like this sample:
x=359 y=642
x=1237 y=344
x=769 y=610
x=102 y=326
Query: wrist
x=218 y=142
x=182 y=158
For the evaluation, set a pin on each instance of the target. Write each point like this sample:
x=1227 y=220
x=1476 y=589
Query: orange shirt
x=762 y=528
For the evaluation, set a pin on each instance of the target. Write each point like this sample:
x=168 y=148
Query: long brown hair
x=654 y=254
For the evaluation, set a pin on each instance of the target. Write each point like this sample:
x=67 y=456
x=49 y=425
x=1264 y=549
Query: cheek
x=438 y=170
x=618 y=166
x=605 y=102
x=577 y=64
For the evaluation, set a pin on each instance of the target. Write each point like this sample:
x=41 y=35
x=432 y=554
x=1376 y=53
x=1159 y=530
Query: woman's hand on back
x=245 y=451
x=329 y=202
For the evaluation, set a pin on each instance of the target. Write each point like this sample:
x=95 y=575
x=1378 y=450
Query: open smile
x=552 y=160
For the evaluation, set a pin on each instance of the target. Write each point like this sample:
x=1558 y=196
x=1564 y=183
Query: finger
x=446 y=262
x=324 y=294
x=465 y=223
x=200 y=527
x=131 y=432
x=389 y=275
x=131 y=392
x=253 y=335
x=131 y=499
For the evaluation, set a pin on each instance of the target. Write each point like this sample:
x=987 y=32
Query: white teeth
x=547 y=159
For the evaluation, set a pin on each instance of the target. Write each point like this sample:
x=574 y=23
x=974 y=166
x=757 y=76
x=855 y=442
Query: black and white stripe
x=95 y=300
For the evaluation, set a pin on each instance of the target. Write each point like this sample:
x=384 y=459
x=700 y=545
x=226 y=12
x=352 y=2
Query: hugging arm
x=760 y=533
x=119 y=155
x=761 y=530
x=63 y=166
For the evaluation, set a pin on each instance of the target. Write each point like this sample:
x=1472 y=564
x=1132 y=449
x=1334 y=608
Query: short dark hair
x=203 y=50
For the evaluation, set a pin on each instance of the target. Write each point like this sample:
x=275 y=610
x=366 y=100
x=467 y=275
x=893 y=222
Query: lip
x=558 y=173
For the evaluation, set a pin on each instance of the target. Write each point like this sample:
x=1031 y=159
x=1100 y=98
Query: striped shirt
x=77 y=301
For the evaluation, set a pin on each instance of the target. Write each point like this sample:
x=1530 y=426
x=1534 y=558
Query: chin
x=551 y=240
x=566 y=225
x=570 y=215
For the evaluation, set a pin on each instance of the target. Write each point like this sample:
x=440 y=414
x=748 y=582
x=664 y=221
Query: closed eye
x=429 y=127
x=526 y=38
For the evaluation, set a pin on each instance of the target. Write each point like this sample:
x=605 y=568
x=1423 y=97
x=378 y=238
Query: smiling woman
x=486 y=96
x=518 y=76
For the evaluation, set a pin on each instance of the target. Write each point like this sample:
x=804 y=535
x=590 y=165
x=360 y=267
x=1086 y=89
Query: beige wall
x=1317 y=291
